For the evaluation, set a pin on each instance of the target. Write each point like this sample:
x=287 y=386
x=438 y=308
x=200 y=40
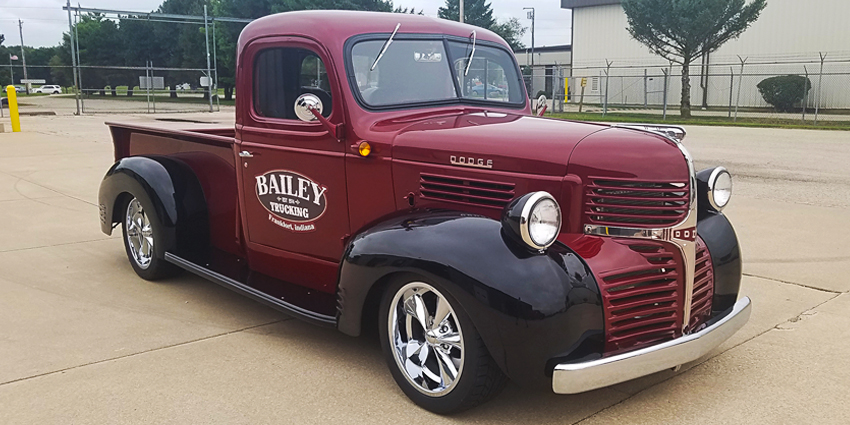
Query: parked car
x=480 y=241
x=19 y=89
x=49 y=89
x=492 y=91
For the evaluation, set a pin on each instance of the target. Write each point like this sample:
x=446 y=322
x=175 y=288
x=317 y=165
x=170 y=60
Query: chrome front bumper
x=573 y=378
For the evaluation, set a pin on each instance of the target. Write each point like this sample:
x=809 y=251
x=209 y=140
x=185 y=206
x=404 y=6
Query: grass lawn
x=705 y=120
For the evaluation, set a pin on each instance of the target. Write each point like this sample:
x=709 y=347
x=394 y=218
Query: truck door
x=294 y=200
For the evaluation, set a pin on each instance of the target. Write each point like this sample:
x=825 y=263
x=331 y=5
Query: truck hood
x=515 y=143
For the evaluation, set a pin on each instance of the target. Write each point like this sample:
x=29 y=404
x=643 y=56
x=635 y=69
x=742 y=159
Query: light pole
x=460 y=7
x=530 y=15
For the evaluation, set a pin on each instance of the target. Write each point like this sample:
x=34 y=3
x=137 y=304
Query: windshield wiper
x=471 y=54
x=386 y=45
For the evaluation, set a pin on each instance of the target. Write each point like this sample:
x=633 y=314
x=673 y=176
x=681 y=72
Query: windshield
x=422 y=71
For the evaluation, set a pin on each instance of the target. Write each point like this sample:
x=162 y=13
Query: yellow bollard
x=13 y=108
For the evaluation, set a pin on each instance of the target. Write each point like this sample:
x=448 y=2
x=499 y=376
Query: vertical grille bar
x=643 y=304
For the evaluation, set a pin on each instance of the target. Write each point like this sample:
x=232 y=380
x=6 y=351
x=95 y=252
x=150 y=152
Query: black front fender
x=528 y=307
x=722 y=243
x=175 y=194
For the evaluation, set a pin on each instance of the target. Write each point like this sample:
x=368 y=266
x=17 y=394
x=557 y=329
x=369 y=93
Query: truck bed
x=208 y=149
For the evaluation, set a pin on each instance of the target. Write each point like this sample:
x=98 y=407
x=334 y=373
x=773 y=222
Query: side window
x=485 y=80
x=283 y=74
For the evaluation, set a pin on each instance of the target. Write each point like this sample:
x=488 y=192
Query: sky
x=45 y=21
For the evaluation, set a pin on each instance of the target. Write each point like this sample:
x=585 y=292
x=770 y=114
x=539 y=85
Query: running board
x=241 y=288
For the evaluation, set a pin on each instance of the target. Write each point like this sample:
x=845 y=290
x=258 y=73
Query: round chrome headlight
x=533 y=219
x=719 y=188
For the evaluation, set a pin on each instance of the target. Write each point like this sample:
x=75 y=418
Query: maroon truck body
x=285 y=204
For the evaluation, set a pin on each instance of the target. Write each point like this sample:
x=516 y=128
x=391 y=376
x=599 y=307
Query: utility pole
x=460 y=3
x=23 y=55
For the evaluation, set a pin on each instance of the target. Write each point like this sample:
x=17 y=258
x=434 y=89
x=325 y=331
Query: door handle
x=246 y=154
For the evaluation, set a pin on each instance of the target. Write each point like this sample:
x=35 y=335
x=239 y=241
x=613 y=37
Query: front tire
x=143 y=241
x=433 y=350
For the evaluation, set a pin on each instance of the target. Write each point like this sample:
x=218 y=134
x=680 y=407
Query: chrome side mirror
x=304 y=103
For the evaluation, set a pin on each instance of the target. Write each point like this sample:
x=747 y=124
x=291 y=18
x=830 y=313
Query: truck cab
x=385 y=170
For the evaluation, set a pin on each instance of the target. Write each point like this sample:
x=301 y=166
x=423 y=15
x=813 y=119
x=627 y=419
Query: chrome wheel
x=139 y=234
x=426 y=339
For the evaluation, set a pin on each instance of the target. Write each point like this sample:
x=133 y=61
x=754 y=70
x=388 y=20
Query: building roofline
x=574 y=4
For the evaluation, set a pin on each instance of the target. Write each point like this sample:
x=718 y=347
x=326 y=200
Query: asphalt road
x=83 y=340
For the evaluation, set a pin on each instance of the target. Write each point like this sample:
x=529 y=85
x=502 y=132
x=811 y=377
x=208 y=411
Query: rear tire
x=433 y=350
x=143 y=241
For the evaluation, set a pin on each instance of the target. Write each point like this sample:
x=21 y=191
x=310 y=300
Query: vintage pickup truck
x=371 y=182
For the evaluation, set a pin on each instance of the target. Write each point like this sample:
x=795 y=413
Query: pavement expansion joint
x=105 y=238
x=179 y=344
x=802 y=285
x=810 y=312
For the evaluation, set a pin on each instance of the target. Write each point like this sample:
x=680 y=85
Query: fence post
x=607 y=77
x=209 y=70
x=806 y=95
x=73 y=59
x=153 y=90
x=820 y=82
x=645 y=89
x=731 y=88
x=148 y=84
x=666 y=75
x=740 y=83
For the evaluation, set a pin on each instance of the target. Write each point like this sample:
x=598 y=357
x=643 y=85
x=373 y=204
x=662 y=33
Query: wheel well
x=372 y=305
x=118 y=207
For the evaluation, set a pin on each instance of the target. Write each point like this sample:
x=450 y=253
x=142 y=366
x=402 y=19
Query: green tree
x=480 y=14
x=512 y=31
x=683 y=31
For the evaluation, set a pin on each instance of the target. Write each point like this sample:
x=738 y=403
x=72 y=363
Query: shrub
x=784 y=91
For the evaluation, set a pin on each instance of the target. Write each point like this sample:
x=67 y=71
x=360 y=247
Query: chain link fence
x=551 y=81
x=729 y=87
x=149 y=89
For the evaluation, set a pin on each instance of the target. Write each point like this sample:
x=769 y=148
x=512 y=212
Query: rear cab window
x=281 y=74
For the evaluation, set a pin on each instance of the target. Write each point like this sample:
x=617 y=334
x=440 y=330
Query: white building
x=551 y=67
x=786 y=39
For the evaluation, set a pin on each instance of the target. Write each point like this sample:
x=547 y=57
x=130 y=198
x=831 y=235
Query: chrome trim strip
x=673 y=132
x=683 y=235
x=573 y=378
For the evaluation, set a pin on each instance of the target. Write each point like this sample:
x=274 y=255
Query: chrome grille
x=468 y=191
x=627 y=203
x=703 y=287
x=643 y=304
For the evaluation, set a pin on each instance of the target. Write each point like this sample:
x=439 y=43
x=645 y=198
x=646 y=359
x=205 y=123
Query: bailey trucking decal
x=293 y=201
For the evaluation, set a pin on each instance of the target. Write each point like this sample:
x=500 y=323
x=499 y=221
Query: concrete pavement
x=83 y=340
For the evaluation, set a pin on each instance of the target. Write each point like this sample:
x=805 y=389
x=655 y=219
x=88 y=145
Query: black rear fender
x=171 y=188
